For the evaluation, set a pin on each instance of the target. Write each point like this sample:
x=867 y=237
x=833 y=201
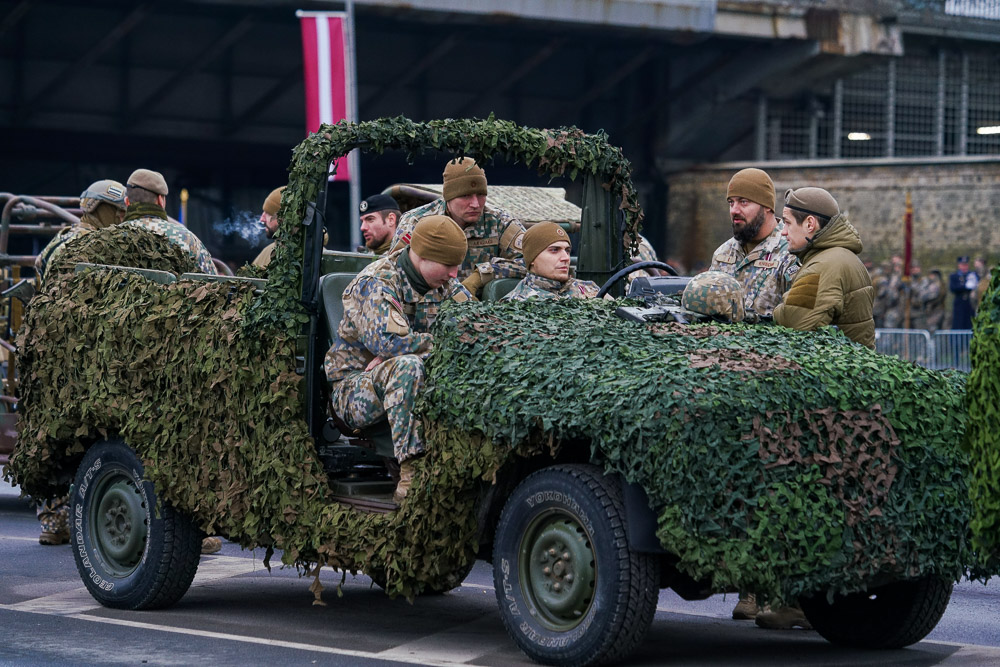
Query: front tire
x=132 y=552
x=570 y=590
x=886 y=617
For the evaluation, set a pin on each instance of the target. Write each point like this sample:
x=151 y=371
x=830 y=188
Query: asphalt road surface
x=239 y=613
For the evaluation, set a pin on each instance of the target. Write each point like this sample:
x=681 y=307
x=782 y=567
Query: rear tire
x=886 y=617
x=570 y=590
x=132 y=551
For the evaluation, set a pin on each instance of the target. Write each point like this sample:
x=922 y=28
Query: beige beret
x=540 y=237
x=152 y=181
x=439 y=239
x=463 y=177
x=812 y=201
x=273 y=201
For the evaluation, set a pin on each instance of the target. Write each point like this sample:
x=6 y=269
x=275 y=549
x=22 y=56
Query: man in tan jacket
x=833 y=286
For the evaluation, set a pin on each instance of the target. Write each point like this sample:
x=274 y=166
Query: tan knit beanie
x=540 y=237
x=463 y=177
x=273 y=201
x=439 y=239
x=753 y=184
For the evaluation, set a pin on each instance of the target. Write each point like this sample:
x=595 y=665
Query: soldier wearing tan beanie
x=269 y=219
x=376 y=363
x=547 y=254
x=757 y=254
x=494 y=235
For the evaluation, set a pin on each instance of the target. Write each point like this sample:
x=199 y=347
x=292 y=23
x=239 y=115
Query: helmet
x=103 y=192
x=715 y=293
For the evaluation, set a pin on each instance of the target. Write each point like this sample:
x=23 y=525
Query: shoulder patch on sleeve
x=460 y=297
x=803 y=292
x=512 y=237
x=397 y=323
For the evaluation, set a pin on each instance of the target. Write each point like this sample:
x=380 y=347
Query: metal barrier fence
x=942 y=349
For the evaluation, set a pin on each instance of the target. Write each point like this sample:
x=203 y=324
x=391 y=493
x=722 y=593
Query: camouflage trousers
x=53 y=514
x=388 y=390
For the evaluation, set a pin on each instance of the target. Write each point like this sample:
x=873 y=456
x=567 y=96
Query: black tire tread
x=922 y=602
x=635 y=606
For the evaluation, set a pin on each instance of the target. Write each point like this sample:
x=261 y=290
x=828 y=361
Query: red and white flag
x=328 y=68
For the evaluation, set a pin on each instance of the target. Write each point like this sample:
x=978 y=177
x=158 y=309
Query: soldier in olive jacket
x=833 y=286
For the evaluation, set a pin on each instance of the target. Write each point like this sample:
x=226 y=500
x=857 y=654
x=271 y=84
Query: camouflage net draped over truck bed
x=779 y=462
x=983 y=400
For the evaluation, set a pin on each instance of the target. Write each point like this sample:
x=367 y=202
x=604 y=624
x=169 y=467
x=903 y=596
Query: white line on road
x=458 y=644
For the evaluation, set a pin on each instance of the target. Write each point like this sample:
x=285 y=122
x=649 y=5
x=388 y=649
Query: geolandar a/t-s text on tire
x=131 y=552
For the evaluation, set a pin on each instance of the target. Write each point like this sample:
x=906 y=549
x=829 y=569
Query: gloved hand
x=474 y=283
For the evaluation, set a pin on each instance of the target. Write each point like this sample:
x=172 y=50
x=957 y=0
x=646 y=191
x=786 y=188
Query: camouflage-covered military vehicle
x=594 y=451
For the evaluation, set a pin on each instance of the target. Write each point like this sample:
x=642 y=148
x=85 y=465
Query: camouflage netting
x=780 y=462
x=983 y=401
x=200 y=379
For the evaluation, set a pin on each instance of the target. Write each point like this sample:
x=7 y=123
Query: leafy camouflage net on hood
x=778 y=462
x=983 y=401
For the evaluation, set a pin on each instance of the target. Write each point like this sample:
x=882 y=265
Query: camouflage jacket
x=645 y=254
x=535 y=286
x=384 y=316
x=57 y=245
x=176 y=233
x=494 y=241
x=765 y=273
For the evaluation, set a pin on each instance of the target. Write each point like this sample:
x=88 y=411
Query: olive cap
x=151 y=181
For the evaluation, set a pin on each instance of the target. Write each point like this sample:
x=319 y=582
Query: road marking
x=79 y=600
x=415 y=659
x=458 y=644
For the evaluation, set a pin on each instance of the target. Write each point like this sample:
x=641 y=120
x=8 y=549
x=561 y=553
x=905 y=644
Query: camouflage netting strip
x=810 y=465
x=983 y=401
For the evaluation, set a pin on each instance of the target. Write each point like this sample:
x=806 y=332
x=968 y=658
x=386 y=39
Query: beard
x=751 y=228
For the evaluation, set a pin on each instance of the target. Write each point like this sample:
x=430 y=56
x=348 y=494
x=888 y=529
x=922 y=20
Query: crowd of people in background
x=926 y=296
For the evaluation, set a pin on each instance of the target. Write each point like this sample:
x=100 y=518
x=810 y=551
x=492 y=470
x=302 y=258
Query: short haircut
x=141 y=195
x=800 y=216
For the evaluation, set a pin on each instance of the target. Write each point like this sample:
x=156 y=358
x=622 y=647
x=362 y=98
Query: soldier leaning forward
x=376 y=363
x=494 y=235
x=101 y=205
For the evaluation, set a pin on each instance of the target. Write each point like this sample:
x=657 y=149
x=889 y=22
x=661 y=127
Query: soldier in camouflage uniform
x=269 y=219
x=716 y=294
x=379 y=218
x=929 y=297
x=892 y=295
x=494 y=236
x=102 y=205
x=546 y=252
x=757 y=255
x=645 y=253
x=376 y=362
x=146 y=198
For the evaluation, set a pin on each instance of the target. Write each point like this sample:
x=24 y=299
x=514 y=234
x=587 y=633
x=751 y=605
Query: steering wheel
x=638 y=266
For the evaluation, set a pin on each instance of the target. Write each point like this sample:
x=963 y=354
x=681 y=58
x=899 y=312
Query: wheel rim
x=120 y=524
x=557 y=566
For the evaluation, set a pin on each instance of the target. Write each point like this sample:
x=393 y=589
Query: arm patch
x=803 y=292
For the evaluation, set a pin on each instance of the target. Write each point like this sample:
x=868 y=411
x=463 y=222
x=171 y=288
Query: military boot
x=53 y=515
x=211 y=545
x=405 y=479
x=783 y=618
x=746 y=609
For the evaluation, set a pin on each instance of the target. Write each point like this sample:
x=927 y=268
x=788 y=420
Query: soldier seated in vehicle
x=102 y=204
x=146 y=198
x=494 y=235
x=546 y=251
x=269 y=219
x=376 y=362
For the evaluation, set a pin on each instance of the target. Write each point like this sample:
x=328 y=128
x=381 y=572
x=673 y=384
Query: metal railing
x=948 y=348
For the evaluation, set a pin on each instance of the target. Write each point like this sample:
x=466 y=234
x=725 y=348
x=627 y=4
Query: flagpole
x=353 y=158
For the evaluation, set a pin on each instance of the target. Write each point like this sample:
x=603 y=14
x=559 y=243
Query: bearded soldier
x=102 y=205
x=146 y=198
x=757 y=255
x=376 y=362
x=269 y=220
x=546 y=252
x=494 y=236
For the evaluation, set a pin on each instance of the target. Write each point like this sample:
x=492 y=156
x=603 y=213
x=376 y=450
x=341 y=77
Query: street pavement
x=238 y=613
